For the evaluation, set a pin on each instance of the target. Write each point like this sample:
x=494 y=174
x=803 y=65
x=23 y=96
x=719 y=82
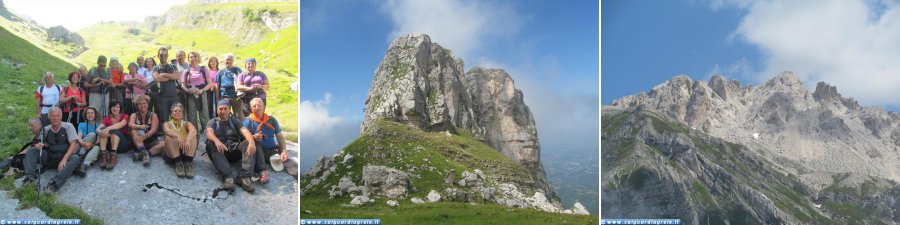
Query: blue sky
x=850 y=44
x=548 y=47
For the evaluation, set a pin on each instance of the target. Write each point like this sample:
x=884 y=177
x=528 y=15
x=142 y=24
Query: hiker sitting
x=88 y=145
x=16 y=161
x=47 y=96
x=143 y=130
x=227 y=142
x=181 y=142
x=112 y=135
x=266 y=131
x=56 y=150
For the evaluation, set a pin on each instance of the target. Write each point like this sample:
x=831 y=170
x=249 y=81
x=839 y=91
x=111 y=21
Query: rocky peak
x=724 y=88
x=423 y=85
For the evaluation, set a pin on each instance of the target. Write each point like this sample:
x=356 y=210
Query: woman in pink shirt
x=135 y=84
x=212 y=66
x=196 y=83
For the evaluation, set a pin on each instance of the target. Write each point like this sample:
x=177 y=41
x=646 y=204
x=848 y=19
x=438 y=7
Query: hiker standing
x=212 y=68
x=181 y=142
x=166 y=75
x=73 y=99
x=225 y=78
x=196 y=83
x=98 y=84
x=47 y=96
x=152 y=87
x=252 y=83
x=135 y=84
x=117 y=93
x=227 y=141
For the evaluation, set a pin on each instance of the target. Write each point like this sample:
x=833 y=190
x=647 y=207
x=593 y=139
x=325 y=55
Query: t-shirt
x=86 y=128
x=167 y=88
x=108 y=121
x=225 y=132
x=52 y=138
x=71 y=106
x=148 y=75
x=211 y=75
x=268 y=140
x=256 y=78
x=50 y=96
x=180 y=127
x=97 y=73
x=195 y=78
x=225 y=78
x=134 y=88
x=117 y=76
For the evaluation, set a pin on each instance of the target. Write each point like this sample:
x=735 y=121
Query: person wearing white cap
x=227 y=141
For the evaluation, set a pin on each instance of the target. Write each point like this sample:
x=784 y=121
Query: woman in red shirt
x=72 y=99
x=112 y=131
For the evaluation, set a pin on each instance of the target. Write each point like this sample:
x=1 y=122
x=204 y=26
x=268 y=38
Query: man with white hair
x=56 y=150
x=225 y=79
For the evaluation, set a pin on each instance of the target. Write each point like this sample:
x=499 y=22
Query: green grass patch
x=704 y=193
x=399 y=146
x=28 y=197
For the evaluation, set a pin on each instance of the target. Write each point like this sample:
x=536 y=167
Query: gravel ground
x=133 y=194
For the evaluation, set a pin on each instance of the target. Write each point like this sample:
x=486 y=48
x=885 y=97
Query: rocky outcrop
x=61 y=34
x=386 y=181
x=685 y=137
x=422 y=84
x=240 y=24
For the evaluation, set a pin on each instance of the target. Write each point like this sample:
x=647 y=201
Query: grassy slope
x=17 y=100
x=29 y=31
x=400 y=145
x=18 y=86
x=276 y=52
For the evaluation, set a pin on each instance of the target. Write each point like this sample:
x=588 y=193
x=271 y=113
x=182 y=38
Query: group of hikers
x=154 y=109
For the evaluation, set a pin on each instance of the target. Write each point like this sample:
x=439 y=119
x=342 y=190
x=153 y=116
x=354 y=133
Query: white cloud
x=460 y=25
x=74 y=15
x=315 y=119
x=850 y=44
x=322 y=133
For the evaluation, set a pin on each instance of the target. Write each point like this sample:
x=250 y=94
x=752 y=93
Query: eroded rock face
x=385 y=181
x=423 y=85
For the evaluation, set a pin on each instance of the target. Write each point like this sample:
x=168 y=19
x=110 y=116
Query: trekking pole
x=40 y=163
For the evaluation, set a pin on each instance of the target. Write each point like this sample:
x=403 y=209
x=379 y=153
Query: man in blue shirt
x=266 y=131
x=225 y=79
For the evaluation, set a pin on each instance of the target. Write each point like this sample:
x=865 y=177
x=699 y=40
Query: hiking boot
x=80 y=171
x=246 y=184
x=264 y=177
x=189 y=169
x=104 y=158
x=146 y=158
x=136 y=156
x=29 y=179
x=113 y=157
x=229 y=183
x=179 y=168
x=51 y=188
